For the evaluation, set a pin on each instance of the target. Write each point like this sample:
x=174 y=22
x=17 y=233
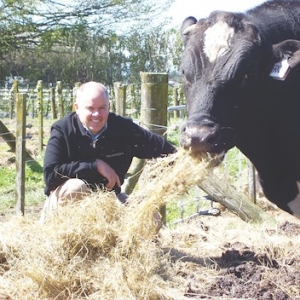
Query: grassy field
x=34 y=183
x=177 y=208
x=34 y=177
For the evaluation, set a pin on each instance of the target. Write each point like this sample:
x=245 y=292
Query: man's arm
x=151 y=145
x=58 y=163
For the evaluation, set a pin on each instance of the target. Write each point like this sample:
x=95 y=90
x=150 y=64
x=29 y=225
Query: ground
x=224 y=258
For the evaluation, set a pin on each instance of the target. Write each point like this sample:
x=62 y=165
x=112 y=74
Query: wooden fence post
x=154 y=101
x=111 y=92
x=20 y=153
x=15 y=91
x=134 y=103
x=10 y=139
x=74 y=94
x=32 y=108
x=52 y=100
x=134 y=171
x=154 y=105
x=175 y=101
x=60 y=98
x=251 y=181
x=39 y=89
x=181 y=100
x=120 y=98
x=237 y=202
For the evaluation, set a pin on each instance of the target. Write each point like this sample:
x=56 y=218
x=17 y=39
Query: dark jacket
x=71 y=153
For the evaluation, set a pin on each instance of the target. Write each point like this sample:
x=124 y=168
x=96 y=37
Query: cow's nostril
x=211 y=138
x=183 y=128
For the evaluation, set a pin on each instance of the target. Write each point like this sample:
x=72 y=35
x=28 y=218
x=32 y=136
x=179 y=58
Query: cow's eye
x=247 y=77
x=187 y=83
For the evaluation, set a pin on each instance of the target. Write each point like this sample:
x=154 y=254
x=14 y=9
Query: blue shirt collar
x=95 y=137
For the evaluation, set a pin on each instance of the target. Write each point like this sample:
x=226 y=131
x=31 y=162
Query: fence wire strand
x=234 y=169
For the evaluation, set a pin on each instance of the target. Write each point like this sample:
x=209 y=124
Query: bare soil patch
x=224 y=258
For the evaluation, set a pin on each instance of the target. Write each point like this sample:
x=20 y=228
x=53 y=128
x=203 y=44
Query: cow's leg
x=295 y=204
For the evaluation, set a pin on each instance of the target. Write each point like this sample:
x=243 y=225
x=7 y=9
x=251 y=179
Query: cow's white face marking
x=295 y=204
x=217 y=40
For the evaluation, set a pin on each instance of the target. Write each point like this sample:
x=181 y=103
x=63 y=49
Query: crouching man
x=92 y=148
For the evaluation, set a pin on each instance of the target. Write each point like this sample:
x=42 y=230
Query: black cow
x=229 y=64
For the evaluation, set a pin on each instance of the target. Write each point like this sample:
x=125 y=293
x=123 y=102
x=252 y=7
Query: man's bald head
x=92 y=106
x=91 y=89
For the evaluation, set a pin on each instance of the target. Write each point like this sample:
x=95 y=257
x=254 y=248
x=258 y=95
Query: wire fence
x=235 y=169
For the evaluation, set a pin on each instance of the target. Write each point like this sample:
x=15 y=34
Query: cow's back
x=277 y=20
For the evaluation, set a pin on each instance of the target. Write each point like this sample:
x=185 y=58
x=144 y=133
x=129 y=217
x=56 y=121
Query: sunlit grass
x=34 y=184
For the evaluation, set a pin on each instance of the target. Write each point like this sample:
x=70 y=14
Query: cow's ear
x=290 y=50
x=187 y=25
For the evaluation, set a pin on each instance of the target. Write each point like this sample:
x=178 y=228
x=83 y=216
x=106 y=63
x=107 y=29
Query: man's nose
x=96 y=113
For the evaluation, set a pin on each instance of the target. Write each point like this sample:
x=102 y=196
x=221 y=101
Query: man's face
x=93 y=110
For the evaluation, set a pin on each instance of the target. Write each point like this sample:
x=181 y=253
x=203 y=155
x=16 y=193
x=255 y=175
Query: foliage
x=103 y=40
x=30 y=20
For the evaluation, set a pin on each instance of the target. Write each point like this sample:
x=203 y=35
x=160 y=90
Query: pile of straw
x=97 y=248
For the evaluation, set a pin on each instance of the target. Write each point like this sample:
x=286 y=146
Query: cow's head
x=226 y=64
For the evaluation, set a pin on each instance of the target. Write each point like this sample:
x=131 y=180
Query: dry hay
x=101 y=249
x=98 y=248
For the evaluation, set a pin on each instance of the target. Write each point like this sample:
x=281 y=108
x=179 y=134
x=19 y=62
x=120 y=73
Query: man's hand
x=109 y=173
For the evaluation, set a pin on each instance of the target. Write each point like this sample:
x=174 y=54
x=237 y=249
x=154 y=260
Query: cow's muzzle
x=201 y=138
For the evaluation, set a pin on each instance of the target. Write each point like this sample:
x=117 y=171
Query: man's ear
x=288 y=49
x=76 y=106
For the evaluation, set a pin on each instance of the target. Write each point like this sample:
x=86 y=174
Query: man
x=93 y=148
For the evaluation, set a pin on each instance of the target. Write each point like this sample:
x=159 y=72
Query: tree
x=30 y=22
x=83 y=41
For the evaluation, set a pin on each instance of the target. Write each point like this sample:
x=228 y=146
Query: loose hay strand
x=167 y=178
x=98 y=247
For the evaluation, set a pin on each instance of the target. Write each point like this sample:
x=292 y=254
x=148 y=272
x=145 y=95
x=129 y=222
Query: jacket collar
x=83 y=129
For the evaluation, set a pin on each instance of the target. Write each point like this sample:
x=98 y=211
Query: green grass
x=186 y=205
x=233 y=169
x=34 y=184
x=173 y=132
x=7 y=188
